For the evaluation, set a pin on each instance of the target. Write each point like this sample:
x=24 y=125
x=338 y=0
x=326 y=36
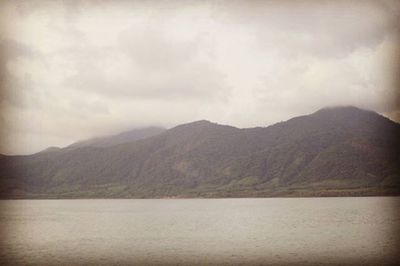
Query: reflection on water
x=200 y=231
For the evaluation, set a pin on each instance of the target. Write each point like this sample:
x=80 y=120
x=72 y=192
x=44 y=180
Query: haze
x=76 y=69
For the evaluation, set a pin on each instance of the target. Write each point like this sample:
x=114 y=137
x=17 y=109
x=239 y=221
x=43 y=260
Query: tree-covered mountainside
x=332 y=152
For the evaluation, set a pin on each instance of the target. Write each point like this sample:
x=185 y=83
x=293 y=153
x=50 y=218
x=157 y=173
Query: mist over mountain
x=124 y=137
x=332 y=152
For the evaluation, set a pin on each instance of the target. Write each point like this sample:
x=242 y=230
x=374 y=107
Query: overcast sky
x=72 y=70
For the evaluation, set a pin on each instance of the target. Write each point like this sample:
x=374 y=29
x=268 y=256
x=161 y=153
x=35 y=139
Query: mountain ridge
x=334 y=151
x=120 y=138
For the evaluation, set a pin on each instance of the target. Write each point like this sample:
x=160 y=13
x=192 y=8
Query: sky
x=71 y=70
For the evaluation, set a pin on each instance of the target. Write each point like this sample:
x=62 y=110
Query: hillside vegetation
x=342 y=151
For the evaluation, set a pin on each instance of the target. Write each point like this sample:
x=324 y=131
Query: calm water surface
x=277 y=231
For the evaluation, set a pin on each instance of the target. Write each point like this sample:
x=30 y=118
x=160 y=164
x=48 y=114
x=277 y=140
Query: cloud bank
x=77 y=69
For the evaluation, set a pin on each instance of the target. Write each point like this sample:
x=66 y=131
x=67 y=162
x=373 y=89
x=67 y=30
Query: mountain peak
x=203 y=124
x=340 y=108
x=345 y=111
x=198 y=123
x=202 y=121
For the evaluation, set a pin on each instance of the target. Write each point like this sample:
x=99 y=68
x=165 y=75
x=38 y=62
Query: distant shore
x=279 y=193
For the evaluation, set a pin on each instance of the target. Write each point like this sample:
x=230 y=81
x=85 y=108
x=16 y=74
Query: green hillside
x=342 y=151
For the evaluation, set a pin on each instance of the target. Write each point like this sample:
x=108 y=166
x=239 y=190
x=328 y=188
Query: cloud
x=321 y=28
x=78 y=69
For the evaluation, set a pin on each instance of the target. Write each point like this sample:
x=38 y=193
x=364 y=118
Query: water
x=200 y=231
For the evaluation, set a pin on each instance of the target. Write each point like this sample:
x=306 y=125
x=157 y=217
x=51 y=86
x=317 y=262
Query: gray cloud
x=322 y=28
x=77 y=69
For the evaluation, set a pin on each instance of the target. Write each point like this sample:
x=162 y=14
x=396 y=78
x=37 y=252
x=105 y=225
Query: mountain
x=51 y=149
x=341 y=151
x=121 y=138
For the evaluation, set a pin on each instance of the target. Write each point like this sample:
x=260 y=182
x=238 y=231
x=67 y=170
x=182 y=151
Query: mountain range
x=338 y=151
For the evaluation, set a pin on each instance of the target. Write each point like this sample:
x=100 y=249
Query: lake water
x=281 y=231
